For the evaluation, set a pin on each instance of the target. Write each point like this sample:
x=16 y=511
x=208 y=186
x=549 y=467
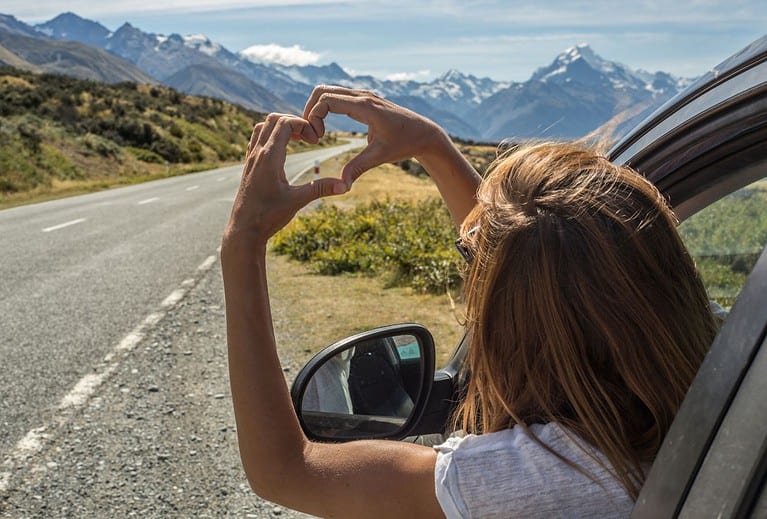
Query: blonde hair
x=584 y=307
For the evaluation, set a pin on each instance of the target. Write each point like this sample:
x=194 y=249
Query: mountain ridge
x=568 y=98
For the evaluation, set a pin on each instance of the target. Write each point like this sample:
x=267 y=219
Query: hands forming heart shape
x=266 y=201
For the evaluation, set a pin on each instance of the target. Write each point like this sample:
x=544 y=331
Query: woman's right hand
x=394 y=133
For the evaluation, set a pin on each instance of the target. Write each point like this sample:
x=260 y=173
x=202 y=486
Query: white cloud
x=273 y=53
x=409 y=76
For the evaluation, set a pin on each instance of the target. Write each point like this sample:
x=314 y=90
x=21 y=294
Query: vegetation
x=57 y=131
x=410 y=242
x=326 y=308
x=726 y=239
x=480 y=156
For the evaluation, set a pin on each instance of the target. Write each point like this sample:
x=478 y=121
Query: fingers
x=327 y=89
x=319 y=189
x=263 y=131
x=254 y=138
x=367 y=159
x=337 y=100
x=268 y=129
x=276 y=135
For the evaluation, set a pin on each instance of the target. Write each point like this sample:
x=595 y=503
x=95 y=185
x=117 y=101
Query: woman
x=587 y=318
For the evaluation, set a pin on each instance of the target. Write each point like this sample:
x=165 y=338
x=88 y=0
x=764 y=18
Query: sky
x=411 y=39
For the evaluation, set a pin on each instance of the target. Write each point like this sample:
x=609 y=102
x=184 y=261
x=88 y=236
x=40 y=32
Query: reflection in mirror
x=369 y=388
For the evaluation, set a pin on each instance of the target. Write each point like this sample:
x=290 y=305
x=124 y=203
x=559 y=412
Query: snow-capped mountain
x=458 y=93
x=575 y=94
x=202 y=43
x=570 y=97
x=192 y=63
x=581 y=64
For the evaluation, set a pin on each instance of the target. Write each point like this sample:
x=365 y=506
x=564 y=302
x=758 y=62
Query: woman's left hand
x=265 y=201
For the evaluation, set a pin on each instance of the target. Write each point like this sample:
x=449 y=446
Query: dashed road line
x=36 y=440
x=209 y=261
x=148 y=201
x=220 y=179
x=192 y=188
x=62 y=225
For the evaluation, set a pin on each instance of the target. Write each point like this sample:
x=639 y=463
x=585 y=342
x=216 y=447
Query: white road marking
x=173 y=298
x=192 y=188
x=148 y=201
x=62 y=225
x=87 y=385
x=205 y=265
x=220 y=179
x=36 y=440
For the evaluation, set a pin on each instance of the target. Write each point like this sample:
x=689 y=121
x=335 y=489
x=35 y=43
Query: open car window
x=726 y=238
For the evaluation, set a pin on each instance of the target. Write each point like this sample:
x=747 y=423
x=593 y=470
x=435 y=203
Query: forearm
x=456 y=178
x=376 y=478
x=281 y=464
x=270 y=439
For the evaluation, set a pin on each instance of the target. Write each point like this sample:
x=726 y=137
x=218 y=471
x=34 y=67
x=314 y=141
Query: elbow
x=278 y=481
x=264 y=488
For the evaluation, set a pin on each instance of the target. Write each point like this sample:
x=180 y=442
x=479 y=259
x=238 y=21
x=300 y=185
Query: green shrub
x=103 y=147
x=146 y=155
x=410 y=242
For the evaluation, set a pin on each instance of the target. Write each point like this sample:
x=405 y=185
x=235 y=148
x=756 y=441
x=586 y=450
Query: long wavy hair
x=584 y=308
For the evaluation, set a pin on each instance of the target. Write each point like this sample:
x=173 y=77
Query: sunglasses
x=465 y=252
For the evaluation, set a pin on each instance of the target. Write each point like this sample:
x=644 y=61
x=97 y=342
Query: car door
x=707 y=151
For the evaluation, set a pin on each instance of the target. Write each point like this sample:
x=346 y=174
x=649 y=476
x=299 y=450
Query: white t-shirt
x=508 y=474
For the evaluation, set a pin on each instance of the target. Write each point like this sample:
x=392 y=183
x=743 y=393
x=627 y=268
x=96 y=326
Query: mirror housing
x=375 y=384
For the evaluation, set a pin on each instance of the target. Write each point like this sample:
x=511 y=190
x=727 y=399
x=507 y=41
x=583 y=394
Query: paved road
x=77 y=275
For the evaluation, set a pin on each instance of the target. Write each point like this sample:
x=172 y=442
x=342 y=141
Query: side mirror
x=375 y=384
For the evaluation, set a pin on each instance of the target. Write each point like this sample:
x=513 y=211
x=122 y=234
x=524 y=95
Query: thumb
x=320 y=188
x=360 y=163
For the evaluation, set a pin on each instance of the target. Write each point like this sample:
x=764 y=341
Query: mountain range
x=573 y=96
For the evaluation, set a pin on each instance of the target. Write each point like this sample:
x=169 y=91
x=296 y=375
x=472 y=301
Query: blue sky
x=505 y=40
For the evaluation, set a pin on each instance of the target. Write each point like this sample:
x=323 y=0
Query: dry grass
x=325 y=309
x=385 y=181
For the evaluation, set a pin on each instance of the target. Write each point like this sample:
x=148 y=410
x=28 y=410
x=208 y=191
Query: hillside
x=60 y=133
x=215 y=80
x=68 y=57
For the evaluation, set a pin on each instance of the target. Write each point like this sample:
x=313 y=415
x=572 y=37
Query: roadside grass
x=71 y=187
x=129 y=170
x=324 y=309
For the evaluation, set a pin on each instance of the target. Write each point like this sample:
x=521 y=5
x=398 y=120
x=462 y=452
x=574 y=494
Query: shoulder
x=509 y=472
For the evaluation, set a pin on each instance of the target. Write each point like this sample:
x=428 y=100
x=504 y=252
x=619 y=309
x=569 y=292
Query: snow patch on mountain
x=202 y=43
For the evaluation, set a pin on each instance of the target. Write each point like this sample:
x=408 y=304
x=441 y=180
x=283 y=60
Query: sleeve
x=446 y=480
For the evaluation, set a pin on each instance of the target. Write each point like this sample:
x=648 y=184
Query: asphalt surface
x=79 y=276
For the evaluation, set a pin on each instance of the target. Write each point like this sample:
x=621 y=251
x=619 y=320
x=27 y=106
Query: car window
x=726 y=238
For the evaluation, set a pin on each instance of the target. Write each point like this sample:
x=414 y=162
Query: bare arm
x=357 y=479
x=395 y=133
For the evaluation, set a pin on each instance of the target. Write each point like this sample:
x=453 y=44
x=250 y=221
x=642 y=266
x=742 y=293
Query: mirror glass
x=367 y=389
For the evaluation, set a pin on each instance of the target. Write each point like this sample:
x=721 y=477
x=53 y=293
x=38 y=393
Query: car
x=706 y=151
